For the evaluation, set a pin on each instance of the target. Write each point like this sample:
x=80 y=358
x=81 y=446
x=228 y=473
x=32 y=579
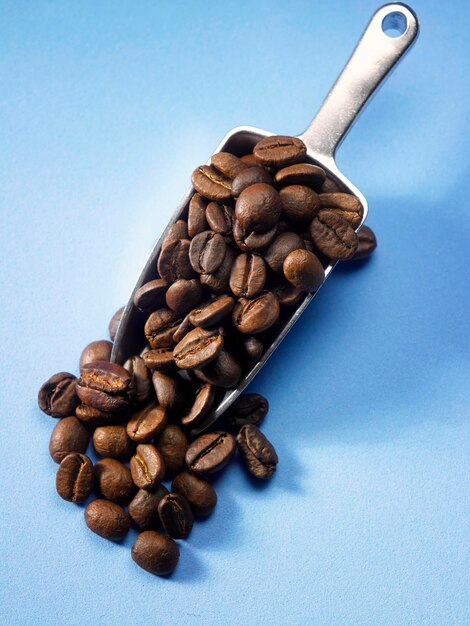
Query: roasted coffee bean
x=227 y=164
x=160 y=328
x=280 y=151
x=144 y=507
x=207 y=252
x=114 y=323
x=333 y=235
x=257 y=452
x=210 y=452
x=283 y=245
x=287 y=294
x=90 y=415
x=255 y=316
x=198 y=492
x=367 y=243
x=173 y=262
x=74 y=479
x=147 y=466
x=303 y=270
x=329 y=186
x=96 y=351
x=203 y=403
x=113 y=481
x=249 y=159
x=58 y=397
x=168 y=390
x=301 y=174
x=113 y=442
x=249 y=408
x=182 y=329
x=210 y=183
x=176 y=515
x=142 y=390
x=299 y=204
x=105 y=386
x=147 y=423
x=248 y=275
x=346 y=205
x=224 y=371
x=198 y=348
x=220 y=218
x=258 y=207
x=197 y=215
x=151 y=296
x=69 y=435
x=172 y=445
x=251 y=241
x=217 y=282
x=253 y=348
x=178 y=230
x=250 y=176
x=161 y=359
x=211 y=312
x=183 y=295
x=107 y=519
x=155 y=553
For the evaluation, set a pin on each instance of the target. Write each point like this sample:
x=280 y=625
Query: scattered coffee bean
x=249 y=408
x=143 y=508
x=160 y=328
x=248 y=275
x=333 y=235
x=212 y=312
x=256 y=315
x=277 y=252
x=257 y=452
x=367 y=243
x=252 y=241
x=224 y=371
x=207 y=252
x=96 y=351
x=198 y=492
x=301 y=174
x=113 y=442
x=347 y=206
x=173 y=261
x=58 y=396
x=178 y=230
x=279 y=151
x=142 y=389
x=197 y=215
x=258 y=207
x=113 y=481
x=203 y=403
x=176 y=515
x=220 y=218
x=210 y=453
x=161 y=360
x=217 y=282
x=172 y=445
x=147 y=423
x=197 y=348
x=90 y=415
x=147 y=466
x=303 y=270
x=105 y=386
x=69 y=435
x=168 y=391
x=299 y=204
x=250 y=176
x=211 y=184
x=182 y=329
x=74 y=479
x=183 y=295
x=155 y=553
x=151 y=296
x=114 y=323
x=227 y=164
x=107 y=519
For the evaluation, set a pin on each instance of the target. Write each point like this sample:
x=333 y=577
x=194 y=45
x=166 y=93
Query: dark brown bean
x=105 y=386
x=253 y=348
x=147 y=423
x=69 y=435
x=329 y=186
x=207 y=251
x=168 y=389
x=301 y=174
x=151 y=296
x=203 y=403
x=217 y=282
x=280 y=151
x=227 y=164
x=303 y=270
x=210 y=183
x=96 y=351
x=251 y=241
x=183 y=295
x=346 y=205
x=90 y=415
x=155 y=553
x=197 y=215
x=367 y=243
x=198 y=492
x=107 y=519
x=161 y=359
x=249 y=408
x=160 y=328
x=173 y=262
x=142 y=390
x=74 y=479
x=57 y=397
x=198 y=348
x=257 y=452
x=113 y=481
x=176 y=515
x=178 y=230
x=250 y=176
x=147 y=466
x=114 y=323
x=287 y=294
x=283 y=245
x=299 y=204
x=248 y=275
x=258 y=207
x=113 y=441
x=220 y=218
x=211 y=312
x=333 y=235
x=224 y=371
x=182 y=329
x=143 y=508
x=249 y=159
x=172 y=445
x=257 y=315
x=210 y=452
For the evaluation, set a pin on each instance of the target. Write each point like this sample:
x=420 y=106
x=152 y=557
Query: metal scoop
x=389 y=34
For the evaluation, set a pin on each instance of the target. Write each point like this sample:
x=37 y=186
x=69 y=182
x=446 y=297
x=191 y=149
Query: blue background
x=106 y=107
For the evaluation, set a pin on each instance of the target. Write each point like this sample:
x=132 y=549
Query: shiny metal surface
x=372 y=60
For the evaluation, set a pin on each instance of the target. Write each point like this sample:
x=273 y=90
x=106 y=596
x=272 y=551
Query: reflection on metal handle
x=374 y=56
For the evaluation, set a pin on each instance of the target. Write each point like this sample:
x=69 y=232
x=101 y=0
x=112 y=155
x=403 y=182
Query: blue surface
x=106 y=107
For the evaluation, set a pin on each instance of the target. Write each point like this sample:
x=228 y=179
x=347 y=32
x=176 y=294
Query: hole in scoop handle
x=377 y=52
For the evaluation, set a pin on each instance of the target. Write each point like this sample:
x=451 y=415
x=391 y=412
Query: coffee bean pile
x=258 y=233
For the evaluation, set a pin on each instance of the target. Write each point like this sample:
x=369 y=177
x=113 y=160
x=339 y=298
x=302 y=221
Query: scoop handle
x=371 y=61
